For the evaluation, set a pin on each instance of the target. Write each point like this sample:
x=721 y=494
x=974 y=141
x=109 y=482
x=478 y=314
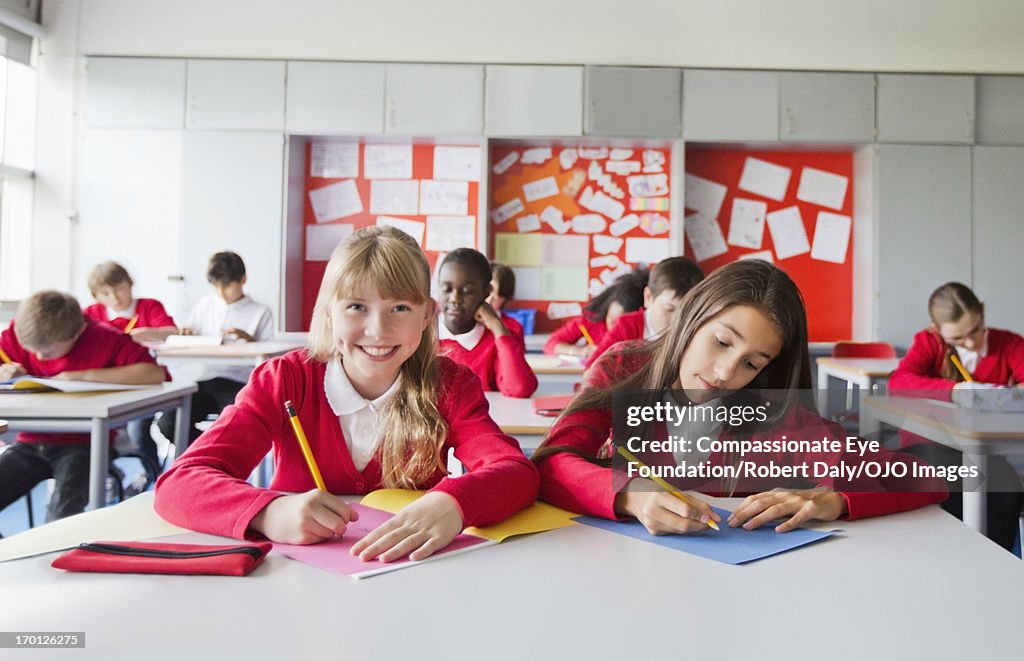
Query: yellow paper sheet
x=518 y=249
x=131 y=520
x=539 y=517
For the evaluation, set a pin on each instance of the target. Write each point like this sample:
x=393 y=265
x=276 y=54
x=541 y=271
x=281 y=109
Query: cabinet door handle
x=969 y=125
x=392 y=114
x=788 y=116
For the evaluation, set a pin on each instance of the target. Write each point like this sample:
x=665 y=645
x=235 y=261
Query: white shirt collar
x=342 y=395
x=649 y=333
x=970 y=358
x=468 y=340
x=127 y=313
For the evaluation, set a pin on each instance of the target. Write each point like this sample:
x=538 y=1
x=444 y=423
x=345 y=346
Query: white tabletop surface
x=57 y=405
x=866 y=366
x=516 y=416
x=917 y=585
x=233 y=350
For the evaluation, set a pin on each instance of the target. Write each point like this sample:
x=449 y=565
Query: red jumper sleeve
x=512 y=373
x=569 y=332
x=918 y=372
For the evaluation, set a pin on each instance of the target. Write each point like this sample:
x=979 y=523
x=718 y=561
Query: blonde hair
x=107 y=274
x=391 y=262
x=47 y=317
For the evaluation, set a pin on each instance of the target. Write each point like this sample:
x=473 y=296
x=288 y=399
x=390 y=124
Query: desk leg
x=182 y=433
x=822 y=391
x=870 y=425
x=99 y=460
x=975 y=501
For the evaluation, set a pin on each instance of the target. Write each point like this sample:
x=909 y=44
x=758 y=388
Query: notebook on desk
x=26 y=384
x=551 y=406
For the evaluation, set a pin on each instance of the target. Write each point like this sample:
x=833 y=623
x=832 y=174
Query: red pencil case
x=164 y=558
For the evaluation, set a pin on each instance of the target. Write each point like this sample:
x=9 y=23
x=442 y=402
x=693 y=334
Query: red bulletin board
x=827 y=286
x=423 y=163
x=613 y=201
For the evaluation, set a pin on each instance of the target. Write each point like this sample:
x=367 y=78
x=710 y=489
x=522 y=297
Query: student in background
x=230 y=314
x=503 y=286
x=741 y=331
x=669 y=281
x=990 y=357
x=473 y=334
x=49 y=337
x=143 y=318
x=380 y=409
x=624 y=295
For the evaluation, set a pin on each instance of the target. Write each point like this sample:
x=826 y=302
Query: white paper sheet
x=620 y=154
x=763 y=255
x=610 y=261
x=831 y=237
x=322 y=239
x=528 y=223
x=536 y=155
x=746 y=225
x=334 y=201
x=413 y=228
x=654 y=223
x=604 y=245
x=764 y=179
x=589 y=223
x=446 y=233
x=622 y=167
x=504 y=164
x=507 y=210
x=567 y=157
x=443 y=197
x=705 y=236
x=457 y=163
x=564 y=310
x=596 y=287
x=564 y=250
x=624 y=224
x=648 y=185
x=336 y=160
x=540 y=188
x=529 y=283
x=788 y=233
x=703 y=195
x=394 y=196
x=593 y=153
x=822 y=188
x=601 y=203
x=654 y=160
x=564 y=284
x=646 y=251
x=387 y=161
x=555 y=219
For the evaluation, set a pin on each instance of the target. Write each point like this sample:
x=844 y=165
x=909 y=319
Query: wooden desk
x=976 y=433
x=97 y=413
x=865 y=373
x=956 y=594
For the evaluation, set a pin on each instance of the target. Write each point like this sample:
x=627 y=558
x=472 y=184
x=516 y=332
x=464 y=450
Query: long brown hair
x=391 y=262
x=750 y=282
x=948 y=304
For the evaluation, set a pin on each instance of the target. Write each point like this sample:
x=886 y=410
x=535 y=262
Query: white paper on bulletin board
x=529 y=283
x=444 y=197
x=446 y=233
x=788 y=233
x=646 y=251
x=387 y=161
x=322 y=239
x=457 y=163
x=569 y=250
x=564 y=283
x=413 y=228
x=703 y=195
x=822 y=188
x=391 y=196
x=705 y=236
x=335 y=160
x=746 y=225
x=334 y=201
x=764 y=178
x=831 y=237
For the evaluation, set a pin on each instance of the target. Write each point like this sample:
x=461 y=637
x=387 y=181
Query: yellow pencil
x=586 y=334
x=959 y=366
x=304 y=444
x=630 y=457
x=131 y=324
x=4 y=357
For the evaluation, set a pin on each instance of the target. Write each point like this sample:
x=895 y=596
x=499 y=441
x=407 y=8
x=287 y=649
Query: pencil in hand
x=630 y=457
x=586 y=335
x=307 y=452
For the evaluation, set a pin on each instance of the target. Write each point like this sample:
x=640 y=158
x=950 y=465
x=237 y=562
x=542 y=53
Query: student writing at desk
x=624 y=295
x=744 y=327
x=379 y=408
x=473 y=334
x=49 y=337
x=236 y=317
x=954 y=355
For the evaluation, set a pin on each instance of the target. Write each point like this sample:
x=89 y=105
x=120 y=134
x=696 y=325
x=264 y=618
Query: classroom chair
x=857 y=350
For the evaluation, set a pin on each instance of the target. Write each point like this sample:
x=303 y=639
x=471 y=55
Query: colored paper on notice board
x=734 y=546
x=334 y=555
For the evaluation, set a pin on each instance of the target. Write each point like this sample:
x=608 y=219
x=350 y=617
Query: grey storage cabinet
x=135 y=93
x=826 y=107
x=533 y=101
x=923 y=232
x=998 y=203
x=937 y=109
x=1000 y=109
x=237 y=95
x=633 y=102
x=335 y=98
x=434 y=99
x=730 y=105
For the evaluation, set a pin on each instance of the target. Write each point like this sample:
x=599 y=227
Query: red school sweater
x=570 y=333
x=500 y=362
x=572 y=482
x=630 y=326
x=919 y=373
x=205 y=489
x=151 y=314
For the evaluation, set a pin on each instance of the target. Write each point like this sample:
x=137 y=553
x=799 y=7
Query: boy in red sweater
x=145 y=319
x=49 y=337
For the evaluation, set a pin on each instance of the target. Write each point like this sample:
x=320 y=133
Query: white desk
x=97 y=413
x=516 y=418
x=238 y=353
x=976 y=433
x=865 y=373
x=574 y=593
x=554 y=376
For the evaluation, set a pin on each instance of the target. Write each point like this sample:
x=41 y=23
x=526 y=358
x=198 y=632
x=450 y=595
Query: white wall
x=857 y=35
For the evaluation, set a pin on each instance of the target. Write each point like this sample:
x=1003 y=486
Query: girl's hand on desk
x=238 y=334
x=661 y=512
x=799 y=506
x=417 y=530
x=10 y=371
x=305 y=518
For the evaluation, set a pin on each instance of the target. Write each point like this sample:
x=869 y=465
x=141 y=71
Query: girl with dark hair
x=741 y=330
x=624 y=295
